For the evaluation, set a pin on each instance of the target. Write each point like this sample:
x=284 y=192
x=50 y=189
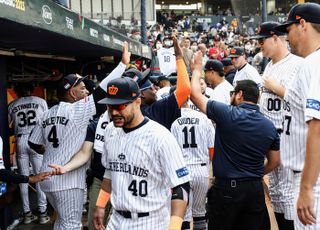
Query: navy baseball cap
x=309 y=11
x=69 y=81
x=226 y=61
x=140 y=77
x=121 y=91
x=236 y=52
x=266 y=30
x=214 y=65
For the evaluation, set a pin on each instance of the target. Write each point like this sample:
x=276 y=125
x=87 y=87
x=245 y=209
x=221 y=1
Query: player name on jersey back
x=25 y=106
x=55 y=120
x=188 y=121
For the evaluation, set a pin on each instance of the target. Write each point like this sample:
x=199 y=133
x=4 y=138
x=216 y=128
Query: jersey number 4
x=52 y=137
x=138 y=188
x=26 y=118
x=193 y=143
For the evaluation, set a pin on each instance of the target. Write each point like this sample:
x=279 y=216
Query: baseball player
x=306 y=16
x=245 y=71
x=293 y=138
x=140 y=186
x=24 y=113
x=214 y=75
x=282 y=69
x=195 y=135
x=62 y=131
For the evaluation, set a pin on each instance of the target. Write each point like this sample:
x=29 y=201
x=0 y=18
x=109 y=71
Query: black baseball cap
x=309 y=11
x=214 y=65
x=121 y=91
x=69 y=81
x=226 y=61
x=142 y=78
x=163 y=77
x=266 y=30
x=236 y=52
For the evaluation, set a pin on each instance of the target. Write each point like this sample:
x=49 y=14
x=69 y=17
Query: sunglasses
x=261 y=41
x=120 y=107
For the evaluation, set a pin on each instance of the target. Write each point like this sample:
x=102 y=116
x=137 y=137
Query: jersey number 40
x=138 y=188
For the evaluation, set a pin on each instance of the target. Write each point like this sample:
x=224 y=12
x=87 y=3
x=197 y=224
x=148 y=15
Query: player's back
x=24 y=113
x=195 y=134
x=62 y=130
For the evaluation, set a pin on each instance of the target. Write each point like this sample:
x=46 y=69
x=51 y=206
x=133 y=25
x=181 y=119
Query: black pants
x=237 y=205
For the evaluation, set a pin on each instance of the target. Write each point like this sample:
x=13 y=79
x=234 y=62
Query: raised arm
x=196 y=96
x=183 y=82
x=116 y=73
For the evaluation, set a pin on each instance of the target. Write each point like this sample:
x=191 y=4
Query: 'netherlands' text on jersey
x=62 y=131
x=195 y=134
x=283 y=71
x=313 y=99
x=142 y=165
x=24 y=113
x=294 y=135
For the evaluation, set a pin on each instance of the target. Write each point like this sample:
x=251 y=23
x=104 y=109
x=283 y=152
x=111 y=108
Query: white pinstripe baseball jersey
x=195 y=134
x=104 y=120
x=167 y=60
x=142 y=165
x=221 y=92
x=62 y=131
x=284 y=71
x=313 y=99
x=24 y=113
x=293 y=138
x=248 y=72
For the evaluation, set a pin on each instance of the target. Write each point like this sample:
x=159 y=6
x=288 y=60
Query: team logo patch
x=113 y=90
x=121 y=156
x=298 y=17
x=233 y=51
x=182 y=172
x=67 y=86
x=313 y=104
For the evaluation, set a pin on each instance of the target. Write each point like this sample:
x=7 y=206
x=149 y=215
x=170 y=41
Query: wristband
x=175 y=223
x=103 y=198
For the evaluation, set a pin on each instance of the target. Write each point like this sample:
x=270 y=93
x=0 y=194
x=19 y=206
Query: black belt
x=128 y=215
x=233 y=183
